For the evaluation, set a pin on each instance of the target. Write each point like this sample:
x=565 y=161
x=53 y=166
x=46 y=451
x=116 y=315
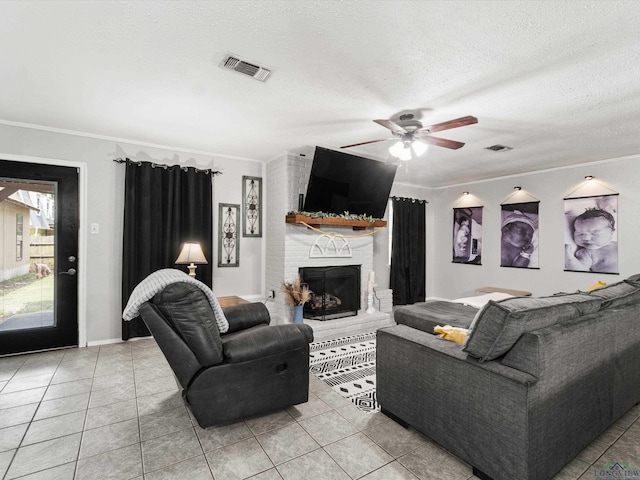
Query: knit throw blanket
x=156 y=281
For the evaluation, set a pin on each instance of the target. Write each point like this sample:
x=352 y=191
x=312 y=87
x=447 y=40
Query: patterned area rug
x=348 y=365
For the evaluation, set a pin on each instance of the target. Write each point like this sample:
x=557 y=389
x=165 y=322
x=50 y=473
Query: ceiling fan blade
x=458 y=122
x=440 y=142
x=364 y=143
x=395 y=128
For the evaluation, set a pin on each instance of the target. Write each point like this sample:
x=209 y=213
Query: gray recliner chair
x=250 y=370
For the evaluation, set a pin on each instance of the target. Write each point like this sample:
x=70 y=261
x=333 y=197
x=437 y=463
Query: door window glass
x=27 y=255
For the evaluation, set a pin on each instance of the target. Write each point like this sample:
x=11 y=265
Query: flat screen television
x=341 y=182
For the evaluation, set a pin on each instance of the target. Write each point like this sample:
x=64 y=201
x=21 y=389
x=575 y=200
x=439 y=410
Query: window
x=19 y=225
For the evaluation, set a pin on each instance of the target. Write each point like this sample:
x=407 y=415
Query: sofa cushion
x=427 y=315
x=187 y=309
x=498 y=325
x=617 y=294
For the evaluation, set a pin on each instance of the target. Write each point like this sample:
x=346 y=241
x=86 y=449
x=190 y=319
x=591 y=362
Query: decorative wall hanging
x=228 y=241
x=327 y=246
x=467 y=235
x=591 y=238
x=251 y=206
x=519 y=235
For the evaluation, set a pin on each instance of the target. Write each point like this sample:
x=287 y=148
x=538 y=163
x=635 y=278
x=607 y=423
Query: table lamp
x=191 y=253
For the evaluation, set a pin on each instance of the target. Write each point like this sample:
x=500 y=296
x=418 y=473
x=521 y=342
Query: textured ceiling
x=559 y=81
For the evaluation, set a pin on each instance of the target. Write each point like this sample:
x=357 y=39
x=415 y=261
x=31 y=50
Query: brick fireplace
x=291 y=247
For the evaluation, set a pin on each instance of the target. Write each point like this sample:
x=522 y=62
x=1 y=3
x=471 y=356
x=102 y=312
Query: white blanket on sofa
x=156 y=281
x=479 y=301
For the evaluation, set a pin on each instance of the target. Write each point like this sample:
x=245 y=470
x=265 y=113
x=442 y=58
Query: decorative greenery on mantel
x=311 y=219
x=344 y=216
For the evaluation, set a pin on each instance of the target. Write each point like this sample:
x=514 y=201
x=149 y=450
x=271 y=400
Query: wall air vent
x=231 y=62
x=498 y=148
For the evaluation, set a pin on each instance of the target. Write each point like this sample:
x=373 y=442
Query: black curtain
x=408 y=251
x=164 y=207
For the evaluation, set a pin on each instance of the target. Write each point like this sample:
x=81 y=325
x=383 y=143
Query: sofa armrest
x=262 y=341
x=246 y=315
x=477 y=411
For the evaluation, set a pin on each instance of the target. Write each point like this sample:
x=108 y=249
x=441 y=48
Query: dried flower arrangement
x=296 y=292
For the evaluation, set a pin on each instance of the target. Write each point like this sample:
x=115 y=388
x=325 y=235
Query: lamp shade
x=191 y=253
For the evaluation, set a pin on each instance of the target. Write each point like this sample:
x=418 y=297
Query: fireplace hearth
x=336 y=291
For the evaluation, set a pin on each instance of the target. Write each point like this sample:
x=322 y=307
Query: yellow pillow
x=453 y=334
x=598 y=284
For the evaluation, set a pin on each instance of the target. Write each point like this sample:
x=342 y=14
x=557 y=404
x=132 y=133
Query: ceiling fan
x=413 y=135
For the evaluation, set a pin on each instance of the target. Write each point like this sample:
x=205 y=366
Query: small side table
x=231 y=300
x=515 y=293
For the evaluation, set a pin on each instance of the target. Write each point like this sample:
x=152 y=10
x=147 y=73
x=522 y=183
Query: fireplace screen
x=336 y=291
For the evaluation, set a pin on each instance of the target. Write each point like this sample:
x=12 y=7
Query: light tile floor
x=114 y=412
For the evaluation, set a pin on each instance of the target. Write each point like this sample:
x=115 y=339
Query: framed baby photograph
x=519 y=235
x=591 y=236
x=467 y=235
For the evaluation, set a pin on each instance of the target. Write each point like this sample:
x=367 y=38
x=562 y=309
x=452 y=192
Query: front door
x=38 y=257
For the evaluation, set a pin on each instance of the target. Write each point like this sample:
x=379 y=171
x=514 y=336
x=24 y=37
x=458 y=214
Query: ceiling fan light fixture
x=397 y=148
x=419 y=148
x=405 y=155
x=408 y=130
x=407 y=149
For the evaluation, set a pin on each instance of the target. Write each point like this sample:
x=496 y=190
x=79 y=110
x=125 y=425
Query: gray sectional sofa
x=537 y=380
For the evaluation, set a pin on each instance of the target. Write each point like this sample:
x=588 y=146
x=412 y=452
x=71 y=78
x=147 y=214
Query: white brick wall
x=288 y=246
x=298 y=172
x=298 y=242
x=276 y=193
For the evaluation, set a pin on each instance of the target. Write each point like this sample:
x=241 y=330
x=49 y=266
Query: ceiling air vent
x=498 y=148
x=255 y=71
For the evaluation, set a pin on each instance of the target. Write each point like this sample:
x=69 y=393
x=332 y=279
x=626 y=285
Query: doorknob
x=71 y=271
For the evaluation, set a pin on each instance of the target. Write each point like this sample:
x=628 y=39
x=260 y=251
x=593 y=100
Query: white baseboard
x=110 y=341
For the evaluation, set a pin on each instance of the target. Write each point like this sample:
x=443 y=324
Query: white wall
x=247 y=279
x=105 y=203
x=381 y=239
x=449 y=280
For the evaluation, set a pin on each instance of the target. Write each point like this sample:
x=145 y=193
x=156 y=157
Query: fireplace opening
x=336 y=291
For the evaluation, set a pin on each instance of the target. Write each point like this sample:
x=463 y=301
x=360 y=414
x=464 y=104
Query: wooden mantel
x=334 y=222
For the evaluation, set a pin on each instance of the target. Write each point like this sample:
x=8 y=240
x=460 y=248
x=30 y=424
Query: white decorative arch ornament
x=327 y=246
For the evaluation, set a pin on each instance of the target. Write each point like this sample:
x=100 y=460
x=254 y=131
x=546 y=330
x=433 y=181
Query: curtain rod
x=404 y=199
x=162 y=165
